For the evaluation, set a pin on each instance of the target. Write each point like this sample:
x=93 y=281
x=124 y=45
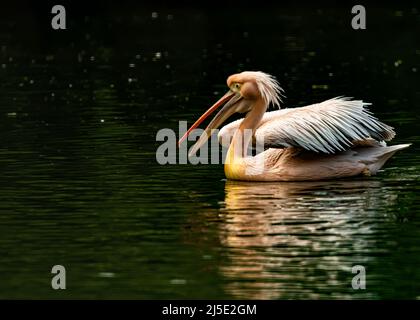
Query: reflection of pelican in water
x=297 y=239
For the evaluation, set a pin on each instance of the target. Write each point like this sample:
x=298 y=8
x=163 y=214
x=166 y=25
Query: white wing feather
x=327 y=127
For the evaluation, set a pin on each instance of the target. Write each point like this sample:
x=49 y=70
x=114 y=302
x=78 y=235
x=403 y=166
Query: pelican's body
x=334 y=139
x=292 y=164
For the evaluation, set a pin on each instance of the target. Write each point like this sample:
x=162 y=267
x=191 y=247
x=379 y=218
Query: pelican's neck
x=243 y=136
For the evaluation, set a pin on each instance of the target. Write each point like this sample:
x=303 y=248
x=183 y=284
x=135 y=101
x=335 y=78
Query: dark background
x=288 y=40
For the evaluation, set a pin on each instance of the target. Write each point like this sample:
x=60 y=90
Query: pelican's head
x=245 y=89
x=252 y=85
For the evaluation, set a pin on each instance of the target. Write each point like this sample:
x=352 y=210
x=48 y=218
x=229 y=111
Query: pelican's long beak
x=228 y=101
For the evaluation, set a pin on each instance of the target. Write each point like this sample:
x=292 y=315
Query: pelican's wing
x=326 y=127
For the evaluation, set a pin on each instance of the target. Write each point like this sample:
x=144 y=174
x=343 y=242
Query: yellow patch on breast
x=234 y=166
x=233 y=171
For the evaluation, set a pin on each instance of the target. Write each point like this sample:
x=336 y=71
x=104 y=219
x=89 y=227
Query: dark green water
x=80 y=185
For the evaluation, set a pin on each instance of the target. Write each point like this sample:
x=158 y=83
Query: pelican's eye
x=236 y=86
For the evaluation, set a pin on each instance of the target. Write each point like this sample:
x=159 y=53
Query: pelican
x=334 y=139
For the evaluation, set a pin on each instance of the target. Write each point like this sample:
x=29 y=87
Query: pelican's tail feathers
x=382 y=154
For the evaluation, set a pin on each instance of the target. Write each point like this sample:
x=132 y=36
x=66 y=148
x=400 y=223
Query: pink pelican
x=333 y=139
